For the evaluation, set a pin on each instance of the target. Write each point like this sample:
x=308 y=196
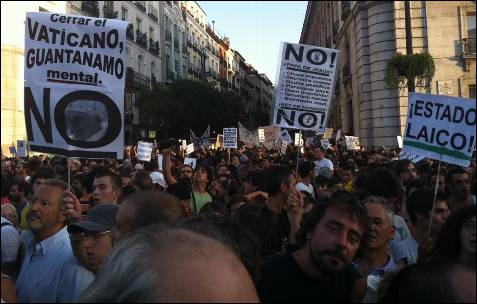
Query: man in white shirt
x=321 y=161
x=305 y=175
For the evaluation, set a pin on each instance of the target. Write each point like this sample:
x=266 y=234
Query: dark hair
x=420 y=201
x=323 y=180
x=340 y=198
x=22 y=186
x=142 y=180
x=305 y=168
x=276 y=176
x=235 y=199
x=215 y=208
x=43 y=172
x=401 y=164
x=379 y=182
x=180 y=190
x=447 y=246
x=253 y=177
x=453 y=171
x=81 y=177
x=349 y=166
x=417 y=183
x=428 y=282
x=34 y=164
x=154 y=207
x=115 y=179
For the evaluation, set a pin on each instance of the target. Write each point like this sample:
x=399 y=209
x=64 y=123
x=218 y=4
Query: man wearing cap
x=94 y=234
x=158 y=181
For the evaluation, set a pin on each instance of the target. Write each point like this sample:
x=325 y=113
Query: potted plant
x=403 y=70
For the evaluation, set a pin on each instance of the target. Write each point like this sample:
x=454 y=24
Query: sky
x=256 y=28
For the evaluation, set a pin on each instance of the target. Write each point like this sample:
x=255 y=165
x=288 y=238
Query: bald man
x=172 y=263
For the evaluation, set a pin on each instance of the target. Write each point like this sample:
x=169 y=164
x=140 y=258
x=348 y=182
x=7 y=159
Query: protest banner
x=399 y=141
x=271 y=136
x=298 y=140
x=230 y=138
x=352 y=142
x=249 y=138
x=338 y=135
x=190 y=148
x=261 y=135
x=285 y=136
x=441 y=125
x=203 y=141
x=283 y=148
x=21 y=148
x=328 y=133
x=144 y=150
x=305 y=86
x=325 y=143
x=74 y=85
x=415 y=158
x=159 y=161
x=190 y=161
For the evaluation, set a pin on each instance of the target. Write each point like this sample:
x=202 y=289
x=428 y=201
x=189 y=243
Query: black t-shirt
x=282 y=280
x=279 y=227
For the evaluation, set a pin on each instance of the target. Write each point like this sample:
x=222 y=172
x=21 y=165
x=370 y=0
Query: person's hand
x=294 y=204
x=166 y=151
x=71 y=206
x=262 y=194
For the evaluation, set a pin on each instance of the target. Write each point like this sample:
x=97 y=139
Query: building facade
x=368 y=34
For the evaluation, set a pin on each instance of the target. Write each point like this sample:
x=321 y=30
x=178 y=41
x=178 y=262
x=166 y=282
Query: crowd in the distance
x=339 y=226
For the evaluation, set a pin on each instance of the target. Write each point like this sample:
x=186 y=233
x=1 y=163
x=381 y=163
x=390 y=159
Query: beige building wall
x=13 y=15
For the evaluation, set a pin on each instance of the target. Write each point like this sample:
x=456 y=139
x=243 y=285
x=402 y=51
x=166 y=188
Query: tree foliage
x=187 y=104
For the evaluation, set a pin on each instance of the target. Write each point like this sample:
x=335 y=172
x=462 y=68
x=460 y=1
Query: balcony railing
x=154 y=47
x=137 y=79
x=153 y=13
x=91 y=7
x=141 y=5
x=168 y=35
x=109 y=13
x=141 y=38
x=130 y=32
x=468 y=46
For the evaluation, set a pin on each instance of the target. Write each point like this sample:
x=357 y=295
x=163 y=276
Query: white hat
x=158 y=178
x=139 y=167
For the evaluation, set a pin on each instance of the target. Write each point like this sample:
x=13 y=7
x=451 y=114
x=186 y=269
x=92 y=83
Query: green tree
x=188 y=105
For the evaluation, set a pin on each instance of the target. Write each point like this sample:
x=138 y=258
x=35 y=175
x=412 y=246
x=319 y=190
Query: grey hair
x=8 y=205
x=388 y=210
x=55 y=182
x=129 y=275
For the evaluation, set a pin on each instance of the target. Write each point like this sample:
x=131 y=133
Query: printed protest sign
x=261 y=135
x=283 y=148
x=415 y=158
x=441 y=125
x=202 y=141
x=249 y=138
x=144 y=150
x=285 y=136
x=305 y=86
x=271 y=136
x=328 y=133
x=338 y=135
x=298 y=139
x=159 y=161
x=352 y=142
x=325 y=143
x=183 y=143
x=230 y=138
x=190 y=161
x=190 y=148
x=399 y=141
x=21 y=148
x=75 y=71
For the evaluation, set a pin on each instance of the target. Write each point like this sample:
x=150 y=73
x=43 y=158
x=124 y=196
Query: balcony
x=189 y=42
x=109 y=13
x=184 y=49
x=128 y=118
x=347 y=72
x=468 y=47
x=345 y=10
x=336 y=25
x=141 y=38
x=91 y=7
x=170 y=75
x=154 y=47
x=168 y=35
x=141 y=5
x=130 y=32
x=153 y=13
x=176 y=44
x=137 y=80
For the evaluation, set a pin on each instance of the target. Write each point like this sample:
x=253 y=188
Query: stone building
x=368 y=34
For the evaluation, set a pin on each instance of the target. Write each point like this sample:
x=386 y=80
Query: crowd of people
x=246 y=226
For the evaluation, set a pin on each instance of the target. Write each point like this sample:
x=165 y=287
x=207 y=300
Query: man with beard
x=459 y=185
x=321 y=269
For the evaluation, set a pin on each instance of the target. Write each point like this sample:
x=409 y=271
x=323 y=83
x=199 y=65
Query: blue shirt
x=46 y=272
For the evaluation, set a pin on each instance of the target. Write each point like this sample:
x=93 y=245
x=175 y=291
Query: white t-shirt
x=302 y=187
x=324 y=163
x=10 y=242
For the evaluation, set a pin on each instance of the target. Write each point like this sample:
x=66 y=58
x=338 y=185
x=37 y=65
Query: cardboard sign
x=328 y=133
x=190 y=161
x=144 y=150
x=271 y=136
x=75 y=76
x=261 y=135
x=352 y=142
x=399 y=140
x=298 y=139
x=190 y=148
x=325 y=143
x=159 y=161
x=285 y=136
x=305 y=86
x=21 y=148
x=249 y=138
x=441 y=126
x=230 y=138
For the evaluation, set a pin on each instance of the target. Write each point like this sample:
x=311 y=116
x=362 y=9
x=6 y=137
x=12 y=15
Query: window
x=472 y=91
x=124 y=14
x=138 y=23
x=471 y=25
x=128 y=103
x=139 y=64
x=109 y=5
x=177 y=67
x=151 y=33
x=168 y=62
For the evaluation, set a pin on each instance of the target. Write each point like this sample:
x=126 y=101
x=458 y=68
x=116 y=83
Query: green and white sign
x=441 y=125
